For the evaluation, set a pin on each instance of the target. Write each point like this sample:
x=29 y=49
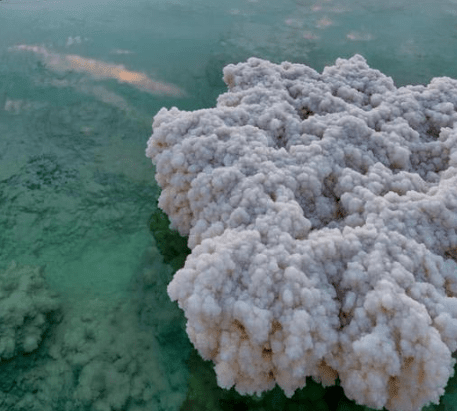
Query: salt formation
x=321 y=211
x=27 y=307
x=89 y=354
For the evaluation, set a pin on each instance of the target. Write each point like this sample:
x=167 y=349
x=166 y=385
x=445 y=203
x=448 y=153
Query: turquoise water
x=79 y=84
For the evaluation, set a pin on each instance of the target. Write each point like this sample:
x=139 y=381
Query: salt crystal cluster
x=321 y=211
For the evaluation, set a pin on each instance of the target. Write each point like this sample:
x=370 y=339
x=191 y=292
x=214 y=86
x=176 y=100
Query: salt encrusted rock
x=321 y=211
x=27 y=306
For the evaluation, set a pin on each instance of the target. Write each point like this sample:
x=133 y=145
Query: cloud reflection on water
x=101 y=70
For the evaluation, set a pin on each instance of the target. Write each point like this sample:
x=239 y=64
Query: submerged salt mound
x=27 y=306
x=321 y=211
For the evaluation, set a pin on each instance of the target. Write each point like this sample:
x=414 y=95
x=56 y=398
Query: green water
x=77 y=192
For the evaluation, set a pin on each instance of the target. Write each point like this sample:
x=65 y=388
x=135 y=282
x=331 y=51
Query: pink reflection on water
x=101 y=70
x=308 y=35
x=357 y=36
x=324 y=22
x=120 y=51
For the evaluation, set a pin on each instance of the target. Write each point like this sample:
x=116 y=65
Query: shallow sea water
x=80 y=82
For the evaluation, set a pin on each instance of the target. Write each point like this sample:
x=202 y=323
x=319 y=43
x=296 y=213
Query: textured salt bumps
x=321 y=211
x=27 y=307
